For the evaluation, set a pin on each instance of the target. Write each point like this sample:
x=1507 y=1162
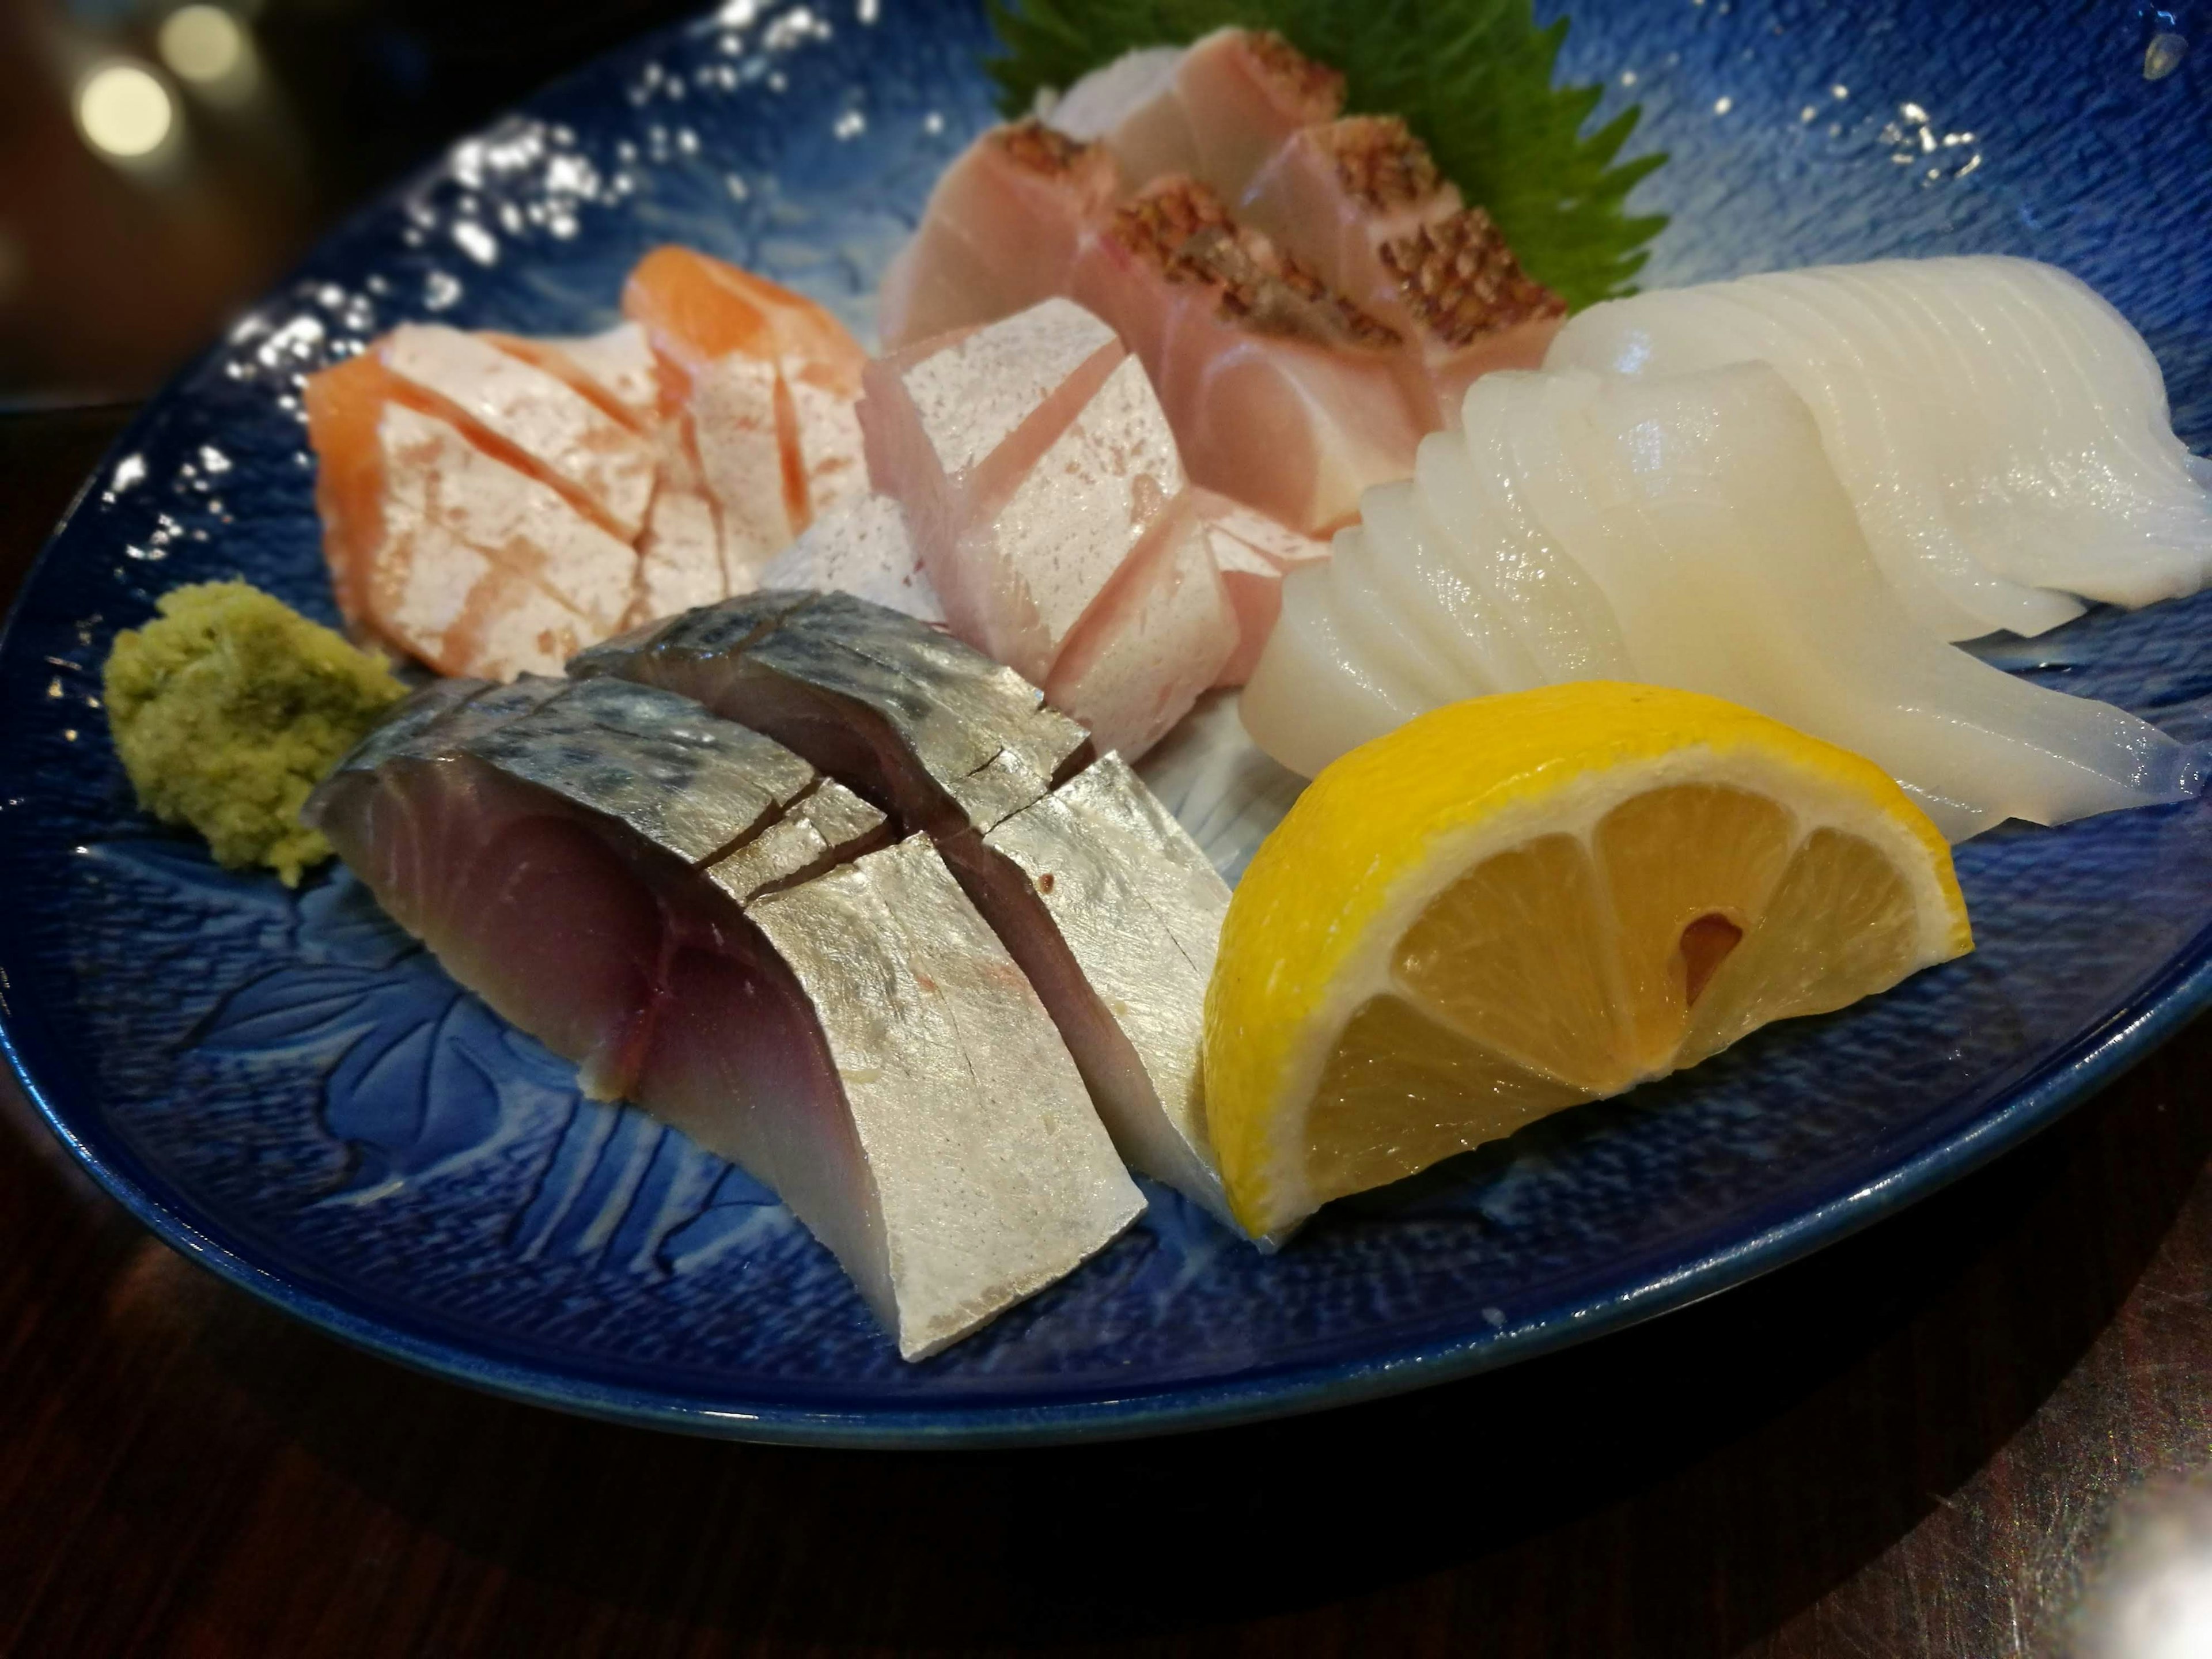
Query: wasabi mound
x=228 y=707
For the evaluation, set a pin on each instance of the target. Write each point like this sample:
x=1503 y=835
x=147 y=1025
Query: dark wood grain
x=1976 y=1429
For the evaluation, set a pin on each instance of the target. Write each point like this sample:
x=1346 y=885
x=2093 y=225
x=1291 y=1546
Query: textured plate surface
x=283 y=1087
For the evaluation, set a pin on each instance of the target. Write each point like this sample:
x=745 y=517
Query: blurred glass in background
x=163 y=162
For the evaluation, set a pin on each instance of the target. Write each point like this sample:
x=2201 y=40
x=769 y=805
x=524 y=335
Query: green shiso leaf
x=1472 y=77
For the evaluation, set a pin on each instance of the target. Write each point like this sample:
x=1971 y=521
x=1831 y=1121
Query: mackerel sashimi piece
x=1137 y=910
x=926 y=727
x=626 y=878
x=1280 y=392
x=1000 y=232
x=959 y=747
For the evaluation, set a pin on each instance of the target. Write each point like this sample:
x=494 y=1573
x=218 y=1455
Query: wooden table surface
x=1979 y=1429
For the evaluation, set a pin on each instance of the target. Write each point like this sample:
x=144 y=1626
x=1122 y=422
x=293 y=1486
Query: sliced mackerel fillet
x=533 y=419
x=929 y=729
x=862 y=548
x=1281 y=391
x=960 y=747
x=1361 y=202
x=643 y=887
x=1000 y=232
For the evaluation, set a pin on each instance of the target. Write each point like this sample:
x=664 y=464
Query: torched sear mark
x=1181 y=228
x=1462 y=280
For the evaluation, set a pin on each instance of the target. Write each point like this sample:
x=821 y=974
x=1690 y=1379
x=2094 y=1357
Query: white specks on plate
x=1723 y=105
x=849 y=125
x=441 y=290
x=473 y=240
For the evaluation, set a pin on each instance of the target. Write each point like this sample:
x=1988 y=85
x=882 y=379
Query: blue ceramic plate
x=284 y=1089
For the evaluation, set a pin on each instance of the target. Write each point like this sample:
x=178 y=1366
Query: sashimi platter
x=891 y=726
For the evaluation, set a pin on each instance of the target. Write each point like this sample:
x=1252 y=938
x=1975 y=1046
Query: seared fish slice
x=631 y=888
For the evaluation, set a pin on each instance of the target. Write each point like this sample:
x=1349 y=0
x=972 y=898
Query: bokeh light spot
x=123 y=110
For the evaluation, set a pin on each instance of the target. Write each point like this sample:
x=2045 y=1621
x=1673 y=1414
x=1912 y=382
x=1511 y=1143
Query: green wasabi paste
x=228 y=707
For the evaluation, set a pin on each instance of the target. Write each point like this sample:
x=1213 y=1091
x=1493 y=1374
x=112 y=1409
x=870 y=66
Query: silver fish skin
x=1134 y=909
x=685 y=782
x=859 y=1040
x=992 y=1175
x=828 y=827
x=913 y=719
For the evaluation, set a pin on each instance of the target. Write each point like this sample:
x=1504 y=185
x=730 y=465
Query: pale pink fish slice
x=953 y=426
x=1131 y=105
x=1244 y=93
x=1001 y=232
x=1253 y=553
x=860 y=548
x=1281 y=392
x=530 y=418
x=1156 y=639
x=1041 y=562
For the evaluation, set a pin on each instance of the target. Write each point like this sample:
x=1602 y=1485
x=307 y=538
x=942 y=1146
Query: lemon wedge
x=1522 y=902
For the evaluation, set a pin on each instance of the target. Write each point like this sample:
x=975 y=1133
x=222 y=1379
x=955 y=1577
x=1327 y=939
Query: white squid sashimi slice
x=1994 y=405
x=1454 y=615
x=1727 y=551
x=1471 y=488
x=1317 y=692
x=1865 y=393
x=2098 y=497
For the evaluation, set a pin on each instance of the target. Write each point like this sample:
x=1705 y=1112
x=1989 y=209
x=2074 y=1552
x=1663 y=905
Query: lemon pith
x=1518 y=904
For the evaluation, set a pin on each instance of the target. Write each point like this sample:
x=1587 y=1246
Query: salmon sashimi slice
x=698 y=309
x=1001 y=232
x=1156 y=639
x=861 y=548
x=1281 y=392
x=723 y=334
x=962 y=748
x=531 y=419
x=444 y=552
x=858 y=1039
x=615 y=370
x=735 y=433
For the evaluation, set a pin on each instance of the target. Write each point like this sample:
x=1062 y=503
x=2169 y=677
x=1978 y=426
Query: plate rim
x=2138 y=1024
